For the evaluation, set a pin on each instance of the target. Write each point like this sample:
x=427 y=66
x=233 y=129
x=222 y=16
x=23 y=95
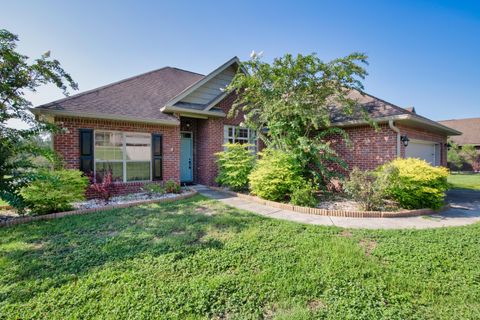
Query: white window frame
x=124 y=161
x=235 y=138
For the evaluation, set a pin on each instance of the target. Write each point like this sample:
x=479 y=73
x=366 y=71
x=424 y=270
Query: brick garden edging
x=334 y=213
x=50 y=216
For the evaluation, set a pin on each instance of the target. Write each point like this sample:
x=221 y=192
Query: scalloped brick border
x=50 y=216
x=334 y=213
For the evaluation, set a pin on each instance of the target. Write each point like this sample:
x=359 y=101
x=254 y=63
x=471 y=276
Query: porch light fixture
x=448 y=145
x=405 y=140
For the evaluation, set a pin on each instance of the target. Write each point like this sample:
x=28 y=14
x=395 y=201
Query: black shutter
x=86 y=150
x=157 y=161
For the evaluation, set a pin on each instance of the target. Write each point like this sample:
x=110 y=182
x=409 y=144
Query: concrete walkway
x=465 y=210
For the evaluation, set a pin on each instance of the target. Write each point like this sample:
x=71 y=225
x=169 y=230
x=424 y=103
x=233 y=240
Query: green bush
x=234 y=166
x=304 y=195
x=54 y=191
x=154 y=188
x=368 y=188
x=275 y=175
x=172 y=187
x=415 y=184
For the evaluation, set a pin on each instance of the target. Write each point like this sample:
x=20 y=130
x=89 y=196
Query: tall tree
x=292 y=100
x=19 y=75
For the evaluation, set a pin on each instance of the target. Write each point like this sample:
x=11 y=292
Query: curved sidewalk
x=465 y=210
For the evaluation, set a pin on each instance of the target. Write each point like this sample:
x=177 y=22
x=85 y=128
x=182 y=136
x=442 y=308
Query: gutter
x=397 y=130
x=193 y=111
x=38 y=111
x=402 y=117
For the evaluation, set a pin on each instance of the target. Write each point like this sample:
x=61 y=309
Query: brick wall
x=369 y=148
x=421 y=134
x=210 y=141
x=67 y=144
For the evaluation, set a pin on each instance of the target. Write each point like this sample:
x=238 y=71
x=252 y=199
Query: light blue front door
x=186 y=157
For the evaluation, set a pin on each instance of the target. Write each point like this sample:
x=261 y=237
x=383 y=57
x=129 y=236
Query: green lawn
x=465 y=181
x=198 y=259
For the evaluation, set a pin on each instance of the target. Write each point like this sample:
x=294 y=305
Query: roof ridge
x=80 y=94
x=461 y=119
x=180 y=69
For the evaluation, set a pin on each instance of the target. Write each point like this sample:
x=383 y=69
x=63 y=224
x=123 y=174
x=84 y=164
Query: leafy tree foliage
x=291 y=102
x=454 y=155
x=471 y=156
x=467 y=154
x=19 y=75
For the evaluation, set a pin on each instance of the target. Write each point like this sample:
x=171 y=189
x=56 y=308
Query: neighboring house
x=470 y=128
x=169 y=123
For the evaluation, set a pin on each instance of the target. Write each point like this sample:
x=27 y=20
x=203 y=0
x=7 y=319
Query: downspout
x=397 y=130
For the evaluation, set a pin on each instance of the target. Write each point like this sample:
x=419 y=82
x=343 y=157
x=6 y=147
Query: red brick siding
x=210 y=141
x=422 y=134
x=67 y=144
x=369 y=148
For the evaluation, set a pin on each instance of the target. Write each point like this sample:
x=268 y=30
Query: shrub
x=172 y=187
x=368 y=188
x=275 y=175
x=154 y=188
x=415 y=184
x=234 y=166
x=304 y=195
x=54 y=191
x=104 y=189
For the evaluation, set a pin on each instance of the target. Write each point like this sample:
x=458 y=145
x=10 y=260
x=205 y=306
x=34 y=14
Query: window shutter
x=157 y=152
x=86 y=150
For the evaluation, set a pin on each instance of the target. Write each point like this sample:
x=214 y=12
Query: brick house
x=470 y=128
x=168 y=124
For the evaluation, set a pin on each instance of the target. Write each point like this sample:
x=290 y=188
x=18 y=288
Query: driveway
x=465 y=210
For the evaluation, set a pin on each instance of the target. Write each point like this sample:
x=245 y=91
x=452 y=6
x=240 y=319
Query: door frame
x=191 y=154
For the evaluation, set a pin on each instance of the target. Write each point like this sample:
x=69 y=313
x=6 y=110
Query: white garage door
x=425 y=150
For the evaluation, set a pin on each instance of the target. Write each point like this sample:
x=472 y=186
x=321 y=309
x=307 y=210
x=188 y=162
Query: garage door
x=423 y=150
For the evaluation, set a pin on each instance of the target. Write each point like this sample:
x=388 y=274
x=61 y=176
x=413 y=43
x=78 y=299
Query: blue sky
x=421 y=53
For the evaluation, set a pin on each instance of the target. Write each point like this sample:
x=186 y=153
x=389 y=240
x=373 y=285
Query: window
x=127 y=155
x=240 y=135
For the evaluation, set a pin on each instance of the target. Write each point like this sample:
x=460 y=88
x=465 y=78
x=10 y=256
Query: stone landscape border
x=50 y=216
x=333 y=213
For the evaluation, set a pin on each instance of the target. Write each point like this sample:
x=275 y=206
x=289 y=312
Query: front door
x=186 y=157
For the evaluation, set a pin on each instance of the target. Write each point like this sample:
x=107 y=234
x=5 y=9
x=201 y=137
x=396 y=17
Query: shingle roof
x=375 y=108
x=381 y=110
x=139 y=97
x=470 y=128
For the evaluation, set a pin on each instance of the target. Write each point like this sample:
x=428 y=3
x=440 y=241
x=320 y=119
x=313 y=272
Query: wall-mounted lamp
x=405 y=140
x=448 y=145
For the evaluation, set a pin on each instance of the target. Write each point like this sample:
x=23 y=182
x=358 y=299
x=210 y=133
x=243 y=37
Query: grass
x=465 y=181
x=3 y=203
x=197 y=259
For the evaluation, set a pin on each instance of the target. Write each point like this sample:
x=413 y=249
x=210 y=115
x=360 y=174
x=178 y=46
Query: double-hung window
x=235 y=134
x=126 y=154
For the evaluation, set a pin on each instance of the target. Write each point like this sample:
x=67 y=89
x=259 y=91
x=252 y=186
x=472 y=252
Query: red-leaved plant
x=104 y=189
